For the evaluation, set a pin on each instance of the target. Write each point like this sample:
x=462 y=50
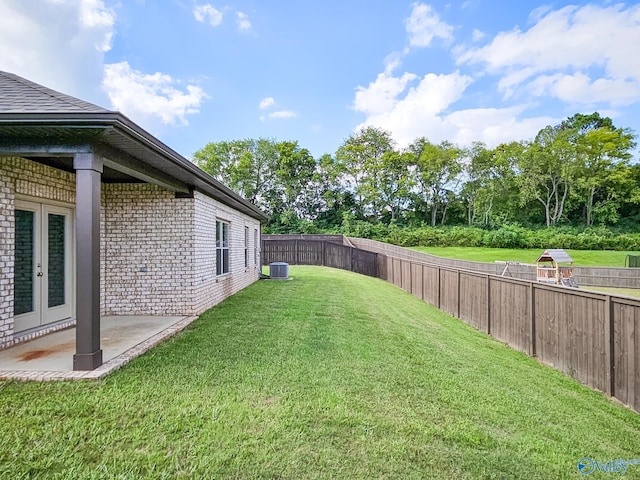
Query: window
x=246 y=247
x=255 y=246
x=222 y=248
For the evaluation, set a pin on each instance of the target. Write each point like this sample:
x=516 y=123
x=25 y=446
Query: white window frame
x=246 y=246
x=223 y=256
x=255 y=247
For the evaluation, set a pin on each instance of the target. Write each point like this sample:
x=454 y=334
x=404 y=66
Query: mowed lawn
x=582 y=258
x=329 y=375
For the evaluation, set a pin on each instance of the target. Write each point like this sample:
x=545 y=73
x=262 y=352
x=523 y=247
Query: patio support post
x=88 y=168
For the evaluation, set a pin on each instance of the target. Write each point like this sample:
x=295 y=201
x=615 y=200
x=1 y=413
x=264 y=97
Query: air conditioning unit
x=279 y=270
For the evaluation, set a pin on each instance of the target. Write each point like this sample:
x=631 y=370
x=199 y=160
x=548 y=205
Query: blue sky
x=191 y=72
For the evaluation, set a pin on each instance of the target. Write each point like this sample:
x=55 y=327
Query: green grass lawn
x=594 y=258
x=330 y=375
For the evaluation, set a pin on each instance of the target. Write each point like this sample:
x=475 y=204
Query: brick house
x=98 y=217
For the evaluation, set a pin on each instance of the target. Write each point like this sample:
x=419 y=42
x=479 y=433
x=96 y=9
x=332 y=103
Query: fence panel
x=309 y=252
x=383 y=270
x=571 y=332
x=473 y=300
x=337 y=256
x=416 y=280
x=397 y=272
x=405 y=277
x=431 y=284
x=510 y=313
x=363 y=262
x=449 y=291
x=626 y=347
x=280 y=251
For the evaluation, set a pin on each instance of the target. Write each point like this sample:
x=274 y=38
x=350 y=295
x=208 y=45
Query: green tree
x=602 y=152
x=358 y=160
x=546 y=171
x=293 y=175
x=388 y=183
x=246 y=166
x=477 y=190
x=436 y=169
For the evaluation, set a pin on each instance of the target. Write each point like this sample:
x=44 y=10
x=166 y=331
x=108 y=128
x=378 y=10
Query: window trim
x=255 y=247
x=223 y=256
x=246 y=246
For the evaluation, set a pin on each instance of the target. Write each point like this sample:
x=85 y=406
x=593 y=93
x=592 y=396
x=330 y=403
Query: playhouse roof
x=555 y=255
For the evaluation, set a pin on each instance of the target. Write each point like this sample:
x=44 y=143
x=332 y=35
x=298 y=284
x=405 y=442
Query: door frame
x=42 y=314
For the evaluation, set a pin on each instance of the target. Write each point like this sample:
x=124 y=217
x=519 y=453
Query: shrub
x=508 y=235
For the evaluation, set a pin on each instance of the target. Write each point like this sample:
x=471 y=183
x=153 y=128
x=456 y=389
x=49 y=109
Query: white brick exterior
x=147 y=249
x=157 y=251
x=210 y=289
x=6 y=259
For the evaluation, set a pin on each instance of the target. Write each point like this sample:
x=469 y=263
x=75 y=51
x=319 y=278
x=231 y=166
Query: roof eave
x=123 y=125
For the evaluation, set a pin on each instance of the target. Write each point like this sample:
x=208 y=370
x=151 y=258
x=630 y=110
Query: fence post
x=459 y=295
x=609 y=343
x=439 y=288
x=489 y=304
x=324 y=254
x=532 y=318
x=351 y=251
x=377 y=268
x=410 y=277
x=296 y=247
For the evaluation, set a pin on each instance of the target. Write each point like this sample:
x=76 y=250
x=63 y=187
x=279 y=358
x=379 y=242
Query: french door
x=43 y=268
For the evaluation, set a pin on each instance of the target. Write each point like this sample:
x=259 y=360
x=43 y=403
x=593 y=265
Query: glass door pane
x=24 y=262
x=56 y=261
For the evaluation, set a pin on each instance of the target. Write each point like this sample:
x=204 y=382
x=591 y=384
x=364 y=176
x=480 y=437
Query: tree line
x=579 y=172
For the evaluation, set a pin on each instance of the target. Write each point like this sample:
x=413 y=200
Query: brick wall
x=209 y=288
x=158 y=252
x=147 y=246
x=6 y=257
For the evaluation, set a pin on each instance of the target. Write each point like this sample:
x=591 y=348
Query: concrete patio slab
x=123 y=338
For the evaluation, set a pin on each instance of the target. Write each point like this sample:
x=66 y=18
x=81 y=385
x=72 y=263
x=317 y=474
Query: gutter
x=131 y=130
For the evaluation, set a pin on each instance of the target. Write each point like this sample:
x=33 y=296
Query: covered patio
x=123 y=338
x=102 y=221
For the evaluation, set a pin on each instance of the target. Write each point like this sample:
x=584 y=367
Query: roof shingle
x=19 y=95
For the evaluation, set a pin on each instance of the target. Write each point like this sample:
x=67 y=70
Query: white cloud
x=242 y=20
x=95 y=16
x=578 y=53
x=266 y=102
x=143 y=96
x=495 y=125
x=269 y=102
x=391 y=62
x=418 y=112
x=382 y=94
x=579 y=88
x=208 y=13
x=60 y=44
x=424 y=111
x=538 y=13
x=424 y=24
x=477 y=35
x=283 y=114
x=577 y=57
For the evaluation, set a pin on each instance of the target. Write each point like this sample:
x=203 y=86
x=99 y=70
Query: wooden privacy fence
x=593 y=337
x=591 y=276
x=325 y=252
